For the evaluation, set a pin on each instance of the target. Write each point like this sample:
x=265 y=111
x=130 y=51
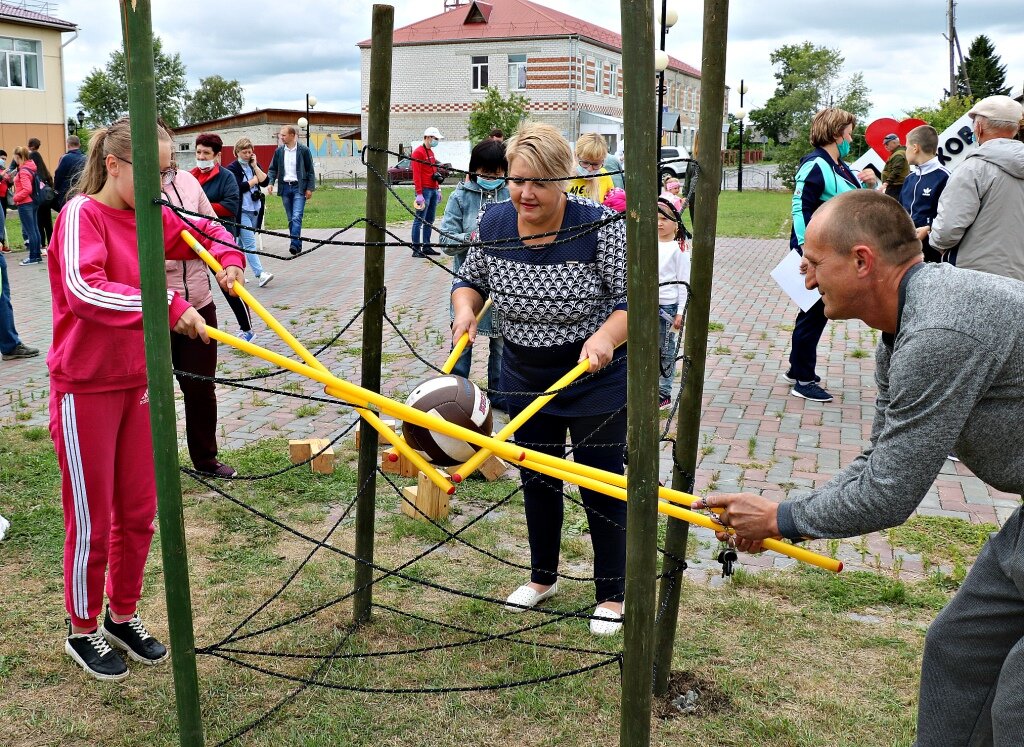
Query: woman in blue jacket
x=484 y=185
x=821 y=175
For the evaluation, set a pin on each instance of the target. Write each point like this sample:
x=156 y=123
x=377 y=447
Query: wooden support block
x=403 y=467
x=427 y=497
x=493 y=469
x=390 y=422
x=324 y=462
x=302 y=450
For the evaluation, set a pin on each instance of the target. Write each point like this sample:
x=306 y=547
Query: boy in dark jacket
x=921 y=190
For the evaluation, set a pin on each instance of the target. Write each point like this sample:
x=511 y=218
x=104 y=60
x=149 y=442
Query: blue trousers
x=425 y=218
x=28 y=215
x=803 y=356
x=9 y=339
x=294 y=200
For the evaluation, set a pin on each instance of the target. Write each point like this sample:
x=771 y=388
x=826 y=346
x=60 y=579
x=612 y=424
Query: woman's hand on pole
x=191 y=323
x=466 y=304
x=230 y=275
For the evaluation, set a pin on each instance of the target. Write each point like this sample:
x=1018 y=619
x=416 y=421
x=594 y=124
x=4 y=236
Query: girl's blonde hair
x=543 y=149
x=592 y=147
x=23 y=153
x=242 y=144
x=113 y=140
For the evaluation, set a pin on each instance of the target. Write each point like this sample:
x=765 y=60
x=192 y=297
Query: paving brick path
x=756 y=436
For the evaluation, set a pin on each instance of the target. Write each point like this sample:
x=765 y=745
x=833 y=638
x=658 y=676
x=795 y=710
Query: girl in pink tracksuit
x=99 y=405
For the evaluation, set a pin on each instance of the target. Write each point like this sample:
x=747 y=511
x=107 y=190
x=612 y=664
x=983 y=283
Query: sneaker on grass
x=93 y=654
x=131 y=636
x=810 y=391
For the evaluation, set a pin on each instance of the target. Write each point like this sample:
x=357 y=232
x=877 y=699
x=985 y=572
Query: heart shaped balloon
x=877 y=130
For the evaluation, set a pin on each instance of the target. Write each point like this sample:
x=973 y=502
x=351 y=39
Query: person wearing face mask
x=591 y=152
x=222 y=191
x=485 y=185
x=427 y=182
x=821 y=175
x=980 y=223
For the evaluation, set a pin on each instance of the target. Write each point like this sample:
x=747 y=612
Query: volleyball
x=460 y=402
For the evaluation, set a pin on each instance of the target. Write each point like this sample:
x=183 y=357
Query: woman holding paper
x=821 y=175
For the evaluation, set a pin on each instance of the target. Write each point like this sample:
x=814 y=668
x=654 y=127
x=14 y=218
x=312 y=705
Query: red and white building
x=569 y=69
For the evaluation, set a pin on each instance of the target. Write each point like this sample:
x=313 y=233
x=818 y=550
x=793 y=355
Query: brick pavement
x=756 y=436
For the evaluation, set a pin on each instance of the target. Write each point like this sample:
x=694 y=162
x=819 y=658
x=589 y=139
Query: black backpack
x=42 y=193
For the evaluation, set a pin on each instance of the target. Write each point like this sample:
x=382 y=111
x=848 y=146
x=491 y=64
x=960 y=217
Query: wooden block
x=403 y=467
x=390 y=422
x=493 y=468
x=323 y=463
x=428 y=498
x=300 y=449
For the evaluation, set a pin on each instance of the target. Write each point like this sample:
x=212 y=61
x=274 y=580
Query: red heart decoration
x=877 y=130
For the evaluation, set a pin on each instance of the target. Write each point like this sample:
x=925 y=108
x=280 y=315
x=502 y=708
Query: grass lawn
x=776 y=657
x=749 y=214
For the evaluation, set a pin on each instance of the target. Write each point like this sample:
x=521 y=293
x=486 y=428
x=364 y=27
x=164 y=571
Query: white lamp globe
x=302 y=122
x=660 y=60
x=310 y=100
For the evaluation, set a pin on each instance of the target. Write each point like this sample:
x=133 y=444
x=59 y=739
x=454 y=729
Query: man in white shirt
x=291 y=173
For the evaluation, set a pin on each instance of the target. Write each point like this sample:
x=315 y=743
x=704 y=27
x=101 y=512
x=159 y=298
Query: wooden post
x=137 y=26
x=642 y=393
x=426 y=499
x=378 y=122
x=695 y=346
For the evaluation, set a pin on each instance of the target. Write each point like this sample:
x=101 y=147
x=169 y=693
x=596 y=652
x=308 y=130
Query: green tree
x=216 y=97
x=104 y=92
x=495 y=111
x=984 y=75
x=945 y=113
x=809 y=78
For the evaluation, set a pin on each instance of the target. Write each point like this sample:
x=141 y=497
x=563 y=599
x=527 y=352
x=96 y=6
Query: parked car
x=401 y=172
x=674 y=168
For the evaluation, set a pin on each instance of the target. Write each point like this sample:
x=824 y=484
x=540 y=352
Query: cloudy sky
x=281 y=50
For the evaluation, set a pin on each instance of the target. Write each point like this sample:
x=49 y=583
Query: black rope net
x=315 y=645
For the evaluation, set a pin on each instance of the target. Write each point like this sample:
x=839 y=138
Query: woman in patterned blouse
x=555 y=266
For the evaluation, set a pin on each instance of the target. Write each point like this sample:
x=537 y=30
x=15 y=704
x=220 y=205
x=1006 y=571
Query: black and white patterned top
x=552 y=298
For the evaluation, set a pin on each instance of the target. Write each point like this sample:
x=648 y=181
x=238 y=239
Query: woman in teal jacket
x=485 y=184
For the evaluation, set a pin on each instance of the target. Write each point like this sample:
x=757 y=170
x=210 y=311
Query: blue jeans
x=425 y=218
x=3 y=220
x=30 y=227
x=9 y=339
x=667 y=346
x=294 y=200
x=248 y=239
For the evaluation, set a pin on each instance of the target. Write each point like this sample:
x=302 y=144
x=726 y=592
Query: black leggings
x=602 y=447
x=240 y=309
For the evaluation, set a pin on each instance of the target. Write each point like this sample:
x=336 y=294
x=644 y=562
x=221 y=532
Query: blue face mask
x=582 y=171
x=844 y=148
x=490 y=184
x=432 y=143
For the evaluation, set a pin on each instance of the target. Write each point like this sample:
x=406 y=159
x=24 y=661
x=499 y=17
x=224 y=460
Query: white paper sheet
x=787 y=275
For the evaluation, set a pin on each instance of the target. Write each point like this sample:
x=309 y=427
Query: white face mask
x=204 y=165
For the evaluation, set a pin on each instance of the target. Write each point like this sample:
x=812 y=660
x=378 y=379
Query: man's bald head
x=866 y=217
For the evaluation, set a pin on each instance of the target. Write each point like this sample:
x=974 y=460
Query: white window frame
x=479 y=72
x=519 y=67
x=9 y=56
x=613 y=79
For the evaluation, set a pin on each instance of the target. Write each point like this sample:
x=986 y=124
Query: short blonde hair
x=925 y=137
x=242 y=144
x=591 y=147
x=828 y=124
x=543 y=149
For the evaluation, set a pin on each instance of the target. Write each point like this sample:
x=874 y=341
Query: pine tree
x=985 y=76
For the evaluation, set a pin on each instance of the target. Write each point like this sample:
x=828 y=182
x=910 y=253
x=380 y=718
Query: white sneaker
x=265 y=278
x=609 y=623
x=526 y=597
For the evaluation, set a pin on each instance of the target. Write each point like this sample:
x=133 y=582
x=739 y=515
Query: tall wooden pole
x=642 y=141
x=138 y=46
x=695 y=347
x=378 y=122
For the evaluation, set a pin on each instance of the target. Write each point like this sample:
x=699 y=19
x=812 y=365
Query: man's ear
x=864 y=257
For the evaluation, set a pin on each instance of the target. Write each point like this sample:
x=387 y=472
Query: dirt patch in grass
x=709 y=700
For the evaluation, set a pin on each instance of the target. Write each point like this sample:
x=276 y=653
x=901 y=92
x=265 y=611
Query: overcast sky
x=280 y=50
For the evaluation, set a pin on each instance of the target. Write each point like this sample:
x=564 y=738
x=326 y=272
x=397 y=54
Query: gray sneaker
x=265 y=278
x=21 y=351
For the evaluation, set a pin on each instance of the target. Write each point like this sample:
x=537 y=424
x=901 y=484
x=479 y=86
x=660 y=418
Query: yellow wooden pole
x=376 y=423
x=463 y=342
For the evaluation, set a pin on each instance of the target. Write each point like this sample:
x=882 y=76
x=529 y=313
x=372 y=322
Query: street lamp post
x=741 y=113
x=669 y=17
x=310 y=103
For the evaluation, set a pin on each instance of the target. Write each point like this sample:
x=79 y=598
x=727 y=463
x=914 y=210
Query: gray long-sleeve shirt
x=951 y=377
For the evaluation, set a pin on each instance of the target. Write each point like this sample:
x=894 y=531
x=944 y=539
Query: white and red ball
x=460 y=402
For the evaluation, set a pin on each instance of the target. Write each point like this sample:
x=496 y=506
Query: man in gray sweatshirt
x=980 y=220
x=950 y=374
